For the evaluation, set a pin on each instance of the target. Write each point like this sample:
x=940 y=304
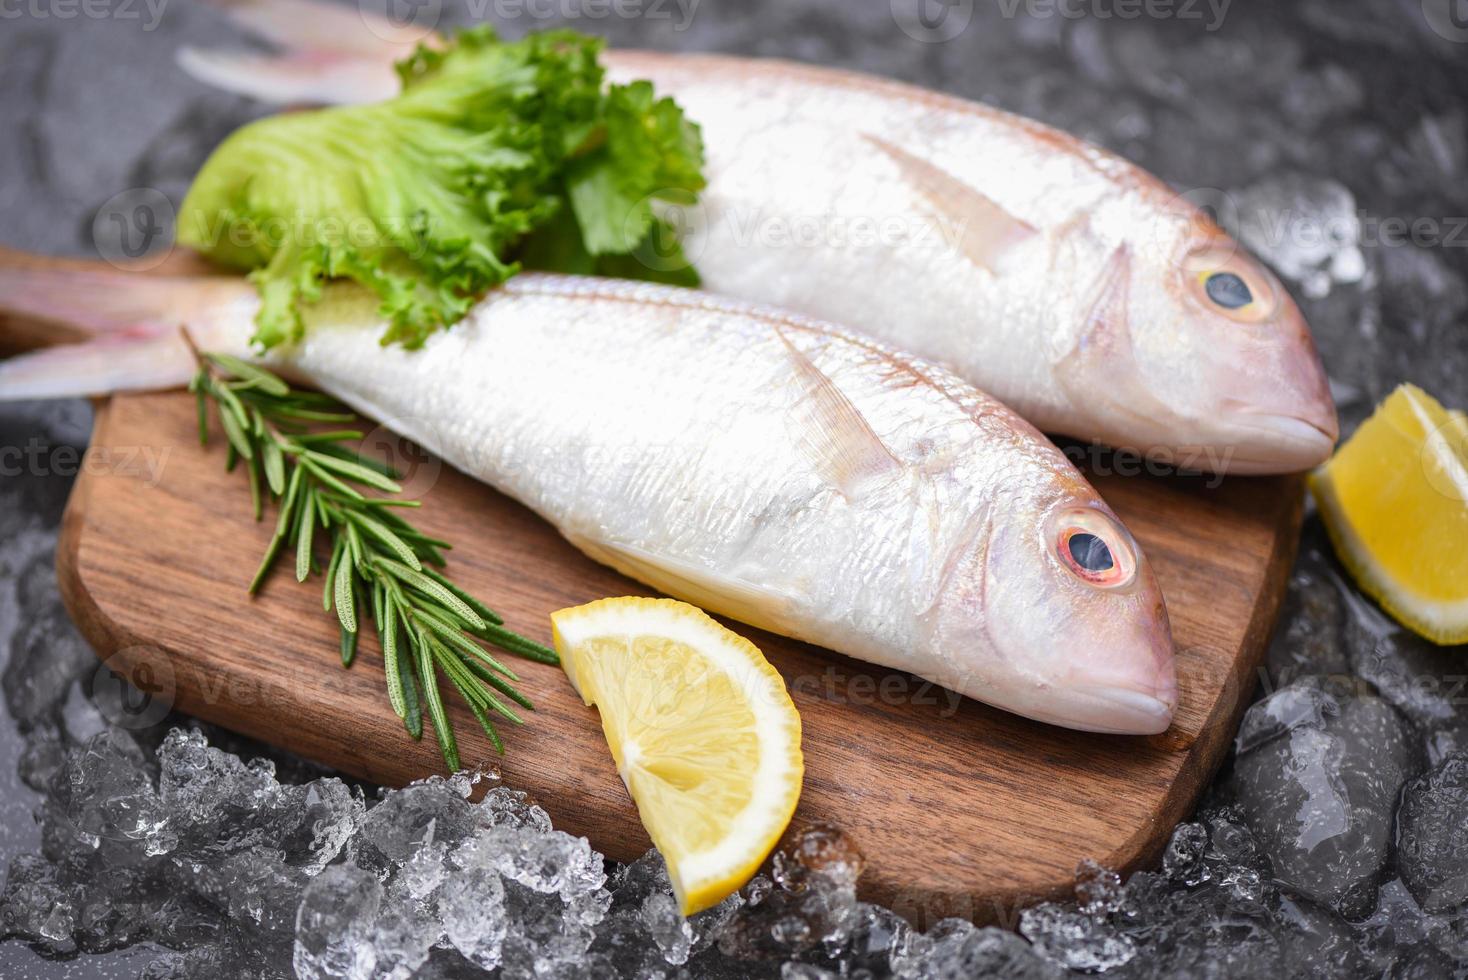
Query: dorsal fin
x=838 y=438
x=984 y=229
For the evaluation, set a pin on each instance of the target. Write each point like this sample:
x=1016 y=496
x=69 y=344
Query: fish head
x=1194 y=344
x=1055 y=614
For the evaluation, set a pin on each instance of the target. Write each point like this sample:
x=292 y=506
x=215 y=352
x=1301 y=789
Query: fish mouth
x=1124 y=711
x=1281 y=443
x=1106 y=710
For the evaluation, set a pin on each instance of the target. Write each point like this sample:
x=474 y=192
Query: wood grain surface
x=960 y=809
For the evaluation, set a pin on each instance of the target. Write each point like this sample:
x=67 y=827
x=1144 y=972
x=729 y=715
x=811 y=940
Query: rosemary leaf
x=426 y=624
x=333 y=435
x=485 y=613
x=388 y=631
x=329 y=587
x=352 y=470
x=466 y=687
x=346 y=608
x=203 y=405
x=349 y=647
x=274 y=461
x=515 y=643
x=330 y=480
x=441 y=727
x=288 y=503
x=485 y=673
x=428 y=586
x=234 y=431
x=251 y=374
x=412 y=704
x=252 y=470
x=451 y=634
x=351 y=456
x=304 y=536
x=385 y=534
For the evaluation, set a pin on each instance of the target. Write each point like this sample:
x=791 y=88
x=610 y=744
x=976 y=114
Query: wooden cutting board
x=960 y=809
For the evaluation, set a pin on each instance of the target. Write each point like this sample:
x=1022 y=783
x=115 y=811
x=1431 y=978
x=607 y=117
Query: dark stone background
x=1333 y=132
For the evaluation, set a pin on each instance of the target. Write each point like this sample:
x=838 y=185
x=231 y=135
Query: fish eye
x=1228 y=290
x=1090 y=552
x=1229 y=283
x=1094 y=548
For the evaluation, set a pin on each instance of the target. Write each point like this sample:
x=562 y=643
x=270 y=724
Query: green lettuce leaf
x=494 y=155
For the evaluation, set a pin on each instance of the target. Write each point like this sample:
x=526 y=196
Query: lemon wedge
x=701 y=728
x=1395 y=501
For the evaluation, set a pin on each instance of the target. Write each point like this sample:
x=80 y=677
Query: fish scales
x=761 y=464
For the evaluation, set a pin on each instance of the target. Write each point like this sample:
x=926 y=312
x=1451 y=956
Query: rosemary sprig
x=381 y=568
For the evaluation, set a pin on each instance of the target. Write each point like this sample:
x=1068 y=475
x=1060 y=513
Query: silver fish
x=760 y=464
x=1068 y=283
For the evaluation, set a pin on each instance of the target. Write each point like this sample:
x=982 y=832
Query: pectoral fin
x=837 y=437
x=972 y=221
x=1101 y=369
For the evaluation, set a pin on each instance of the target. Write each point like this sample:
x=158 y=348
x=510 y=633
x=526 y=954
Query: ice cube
x=1183 y=861
x=955 y=950
x=421 y=813
x=813 y=903
x=471 y=904
x=1306 y=227
x=1315 y=943
x=1075 y=939
x=1432 y=836
x=334 y=925
x=36 y=906
x=1317 y=778
x=103 y=799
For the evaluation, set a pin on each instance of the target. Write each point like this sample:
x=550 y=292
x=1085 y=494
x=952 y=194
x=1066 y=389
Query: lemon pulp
x=702 y=731
x=1394 y=498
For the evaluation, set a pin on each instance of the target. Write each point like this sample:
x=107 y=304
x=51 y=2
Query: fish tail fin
x=101 y=329
x=314 y=24
x=331 y=54
x=314 y=77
